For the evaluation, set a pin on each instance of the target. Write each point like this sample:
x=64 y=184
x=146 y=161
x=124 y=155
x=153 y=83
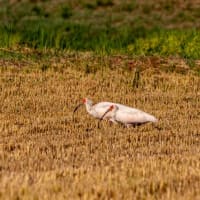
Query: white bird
x=116 y=112
x=128 y=117
x=96 y=110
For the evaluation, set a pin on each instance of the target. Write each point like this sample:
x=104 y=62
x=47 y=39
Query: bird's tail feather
x=151 y=118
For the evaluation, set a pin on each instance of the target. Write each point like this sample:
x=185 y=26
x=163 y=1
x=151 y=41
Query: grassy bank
x=110 y=27
x=138 y=41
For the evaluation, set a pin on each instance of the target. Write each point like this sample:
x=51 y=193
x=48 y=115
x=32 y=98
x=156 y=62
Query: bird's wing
x=134 y=117
x=127 y=108
x=120 y=106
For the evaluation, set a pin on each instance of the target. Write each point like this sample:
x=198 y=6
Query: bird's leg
x=128 y=125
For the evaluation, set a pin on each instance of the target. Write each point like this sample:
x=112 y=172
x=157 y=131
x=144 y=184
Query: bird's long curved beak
x=105 y=114
x=77 y=107
x=100 y=119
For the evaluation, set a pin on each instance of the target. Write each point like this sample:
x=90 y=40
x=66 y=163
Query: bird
x=116 y=112
x=128 y=117
x=96 y=110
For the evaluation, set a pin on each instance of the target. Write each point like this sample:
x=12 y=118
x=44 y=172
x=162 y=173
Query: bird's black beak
x=100 y=119
x=77 y=107
x=105 y=114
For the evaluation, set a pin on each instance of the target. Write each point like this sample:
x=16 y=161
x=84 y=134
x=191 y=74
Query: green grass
x=109 y=39
x=129 y=27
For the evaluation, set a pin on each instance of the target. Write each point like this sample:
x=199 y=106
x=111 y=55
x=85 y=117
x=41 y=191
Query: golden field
x=44 y=154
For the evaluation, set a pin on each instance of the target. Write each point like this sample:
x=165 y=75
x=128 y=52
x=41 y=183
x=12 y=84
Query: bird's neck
x=88 y=107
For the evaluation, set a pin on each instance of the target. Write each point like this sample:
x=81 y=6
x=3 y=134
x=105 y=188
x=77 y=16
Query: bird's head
x=87 y=101
x=111 y=108
x=83 y=102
